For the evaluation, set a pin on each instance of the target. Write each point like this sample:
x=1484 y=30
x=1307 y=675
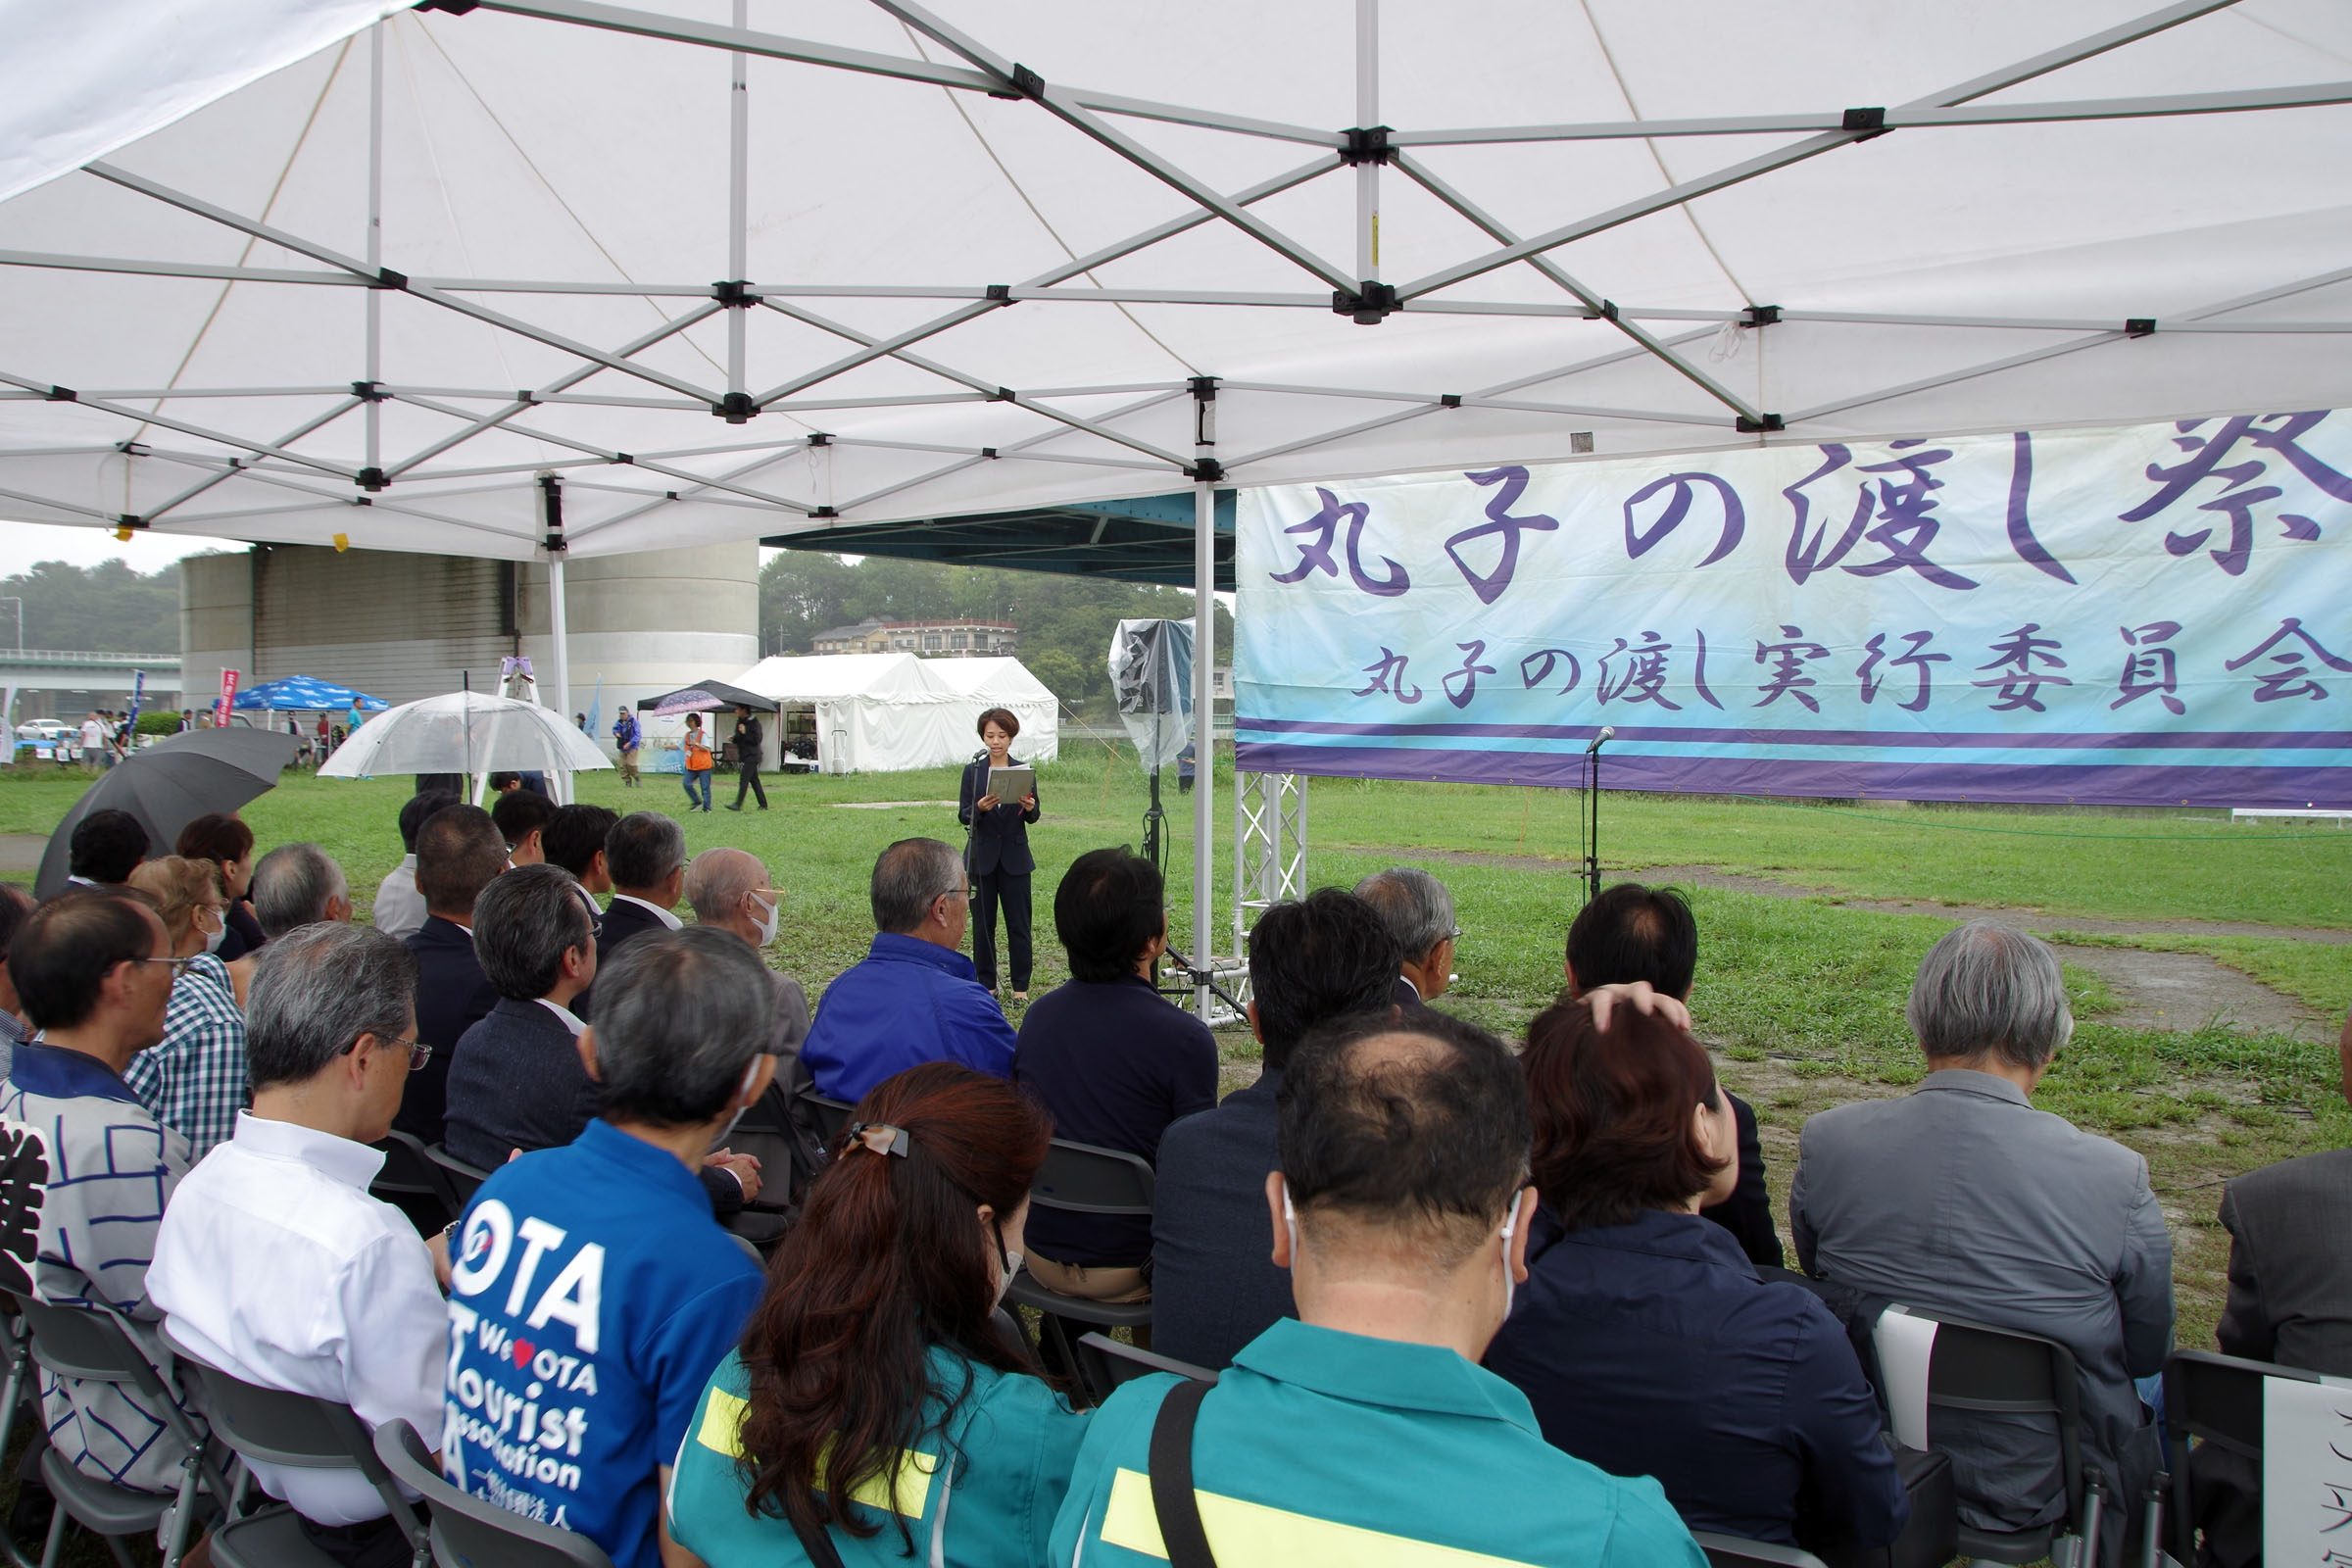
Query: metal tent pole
x=1204 y=656
x=551 y=494
x=1367 y=114
x=739 y=201
x=374 y=300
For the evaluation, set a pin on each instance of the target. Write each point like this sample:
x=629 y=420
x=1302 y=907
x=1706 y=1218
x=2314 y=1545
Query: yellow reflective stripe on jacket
x=1252 y=1535
x=905 y=1493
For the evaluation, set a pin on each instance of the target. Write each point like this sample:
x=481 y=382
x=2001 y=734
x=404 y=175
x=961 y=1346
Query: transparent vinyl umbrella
x=464 y=732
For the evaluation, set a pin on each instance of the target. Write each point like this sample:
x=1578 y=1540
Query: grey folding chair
x=1731 y=1551
x=468 y=1533
x=2217 y=1400
x=1083 y=1179
x=294 y=1431
x=831 y=1114
x=1104 y=1363
x=92 y=1346
x=462 y=1178
x=415 y=1183
x=1979 y=1367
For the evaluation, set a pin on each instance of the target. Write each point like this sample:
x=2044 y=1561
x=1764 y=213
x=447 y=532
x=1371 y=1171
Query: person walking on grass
x=748 y=740
x=626 y=738
x=698 y=764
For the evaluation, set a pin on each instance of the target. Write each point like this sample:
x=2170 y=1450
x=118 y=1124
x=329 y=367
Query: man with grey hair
x=731 y=890
x=273 y=1263
x=1419 y=914
x=591 y=1281
x=914 y=996
x=297 y=885
x=1960 y=1198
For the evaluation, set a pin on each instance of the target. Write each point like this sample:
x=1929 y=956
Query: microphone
x=1608 y=732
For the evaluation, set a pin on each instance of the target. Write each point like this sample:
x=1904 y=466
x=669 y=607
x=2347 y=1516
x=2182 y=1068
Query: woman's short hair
x=178 y=884
x=1612 y=1113
x=216 y=837
x=1002 y=718
x=887 y=1261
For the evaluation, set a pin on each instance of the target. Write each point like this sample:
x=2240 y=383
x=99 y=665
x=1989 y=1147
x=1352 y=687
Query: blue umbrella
x=305 y=694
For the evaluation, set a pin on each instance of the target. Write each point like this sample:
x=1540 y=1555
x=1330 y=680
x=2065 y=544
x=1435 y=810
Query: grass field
x=1802 y=997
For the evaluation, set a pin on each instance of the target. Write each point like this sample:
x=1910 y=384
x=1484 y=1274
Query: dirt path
x=21 y=852
x=2172 y=991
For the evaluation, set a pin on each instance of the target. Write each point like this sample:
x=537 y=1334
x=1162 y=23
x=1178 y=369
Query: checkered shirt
x=195 y=1081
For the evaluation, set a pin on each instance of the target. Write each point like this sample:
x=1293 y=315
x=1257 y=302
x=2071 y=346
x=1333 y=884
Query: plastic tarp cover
x=1683 y=238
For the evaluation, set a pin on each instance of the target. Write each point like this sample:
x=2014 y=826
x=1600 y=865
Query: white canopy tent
x=875 y=713
x=986 y=683
x=558 y=276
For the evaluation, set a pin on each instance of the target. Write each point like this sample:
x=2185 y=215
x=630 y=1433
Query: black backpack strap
x=1172 y=1496
x=817 y=1543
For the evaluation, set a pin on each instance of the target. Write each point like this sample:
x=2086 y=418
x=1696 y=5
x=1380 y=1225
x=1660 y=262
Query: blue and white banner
x=2160 y=614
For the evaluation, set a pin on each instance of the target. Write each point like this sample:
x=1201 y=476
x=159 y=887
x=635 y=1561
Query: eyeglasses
x=419 y=1054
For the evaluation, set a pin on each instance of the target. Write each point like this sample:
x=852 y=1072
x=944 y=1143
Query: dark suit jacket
x=1747 y=1212
x=622 y=921
x=451 y=996
x=2290 y=1267
x=999 y=837
x=1651 y=1348
x=516 y=1082
x=1215 y=1286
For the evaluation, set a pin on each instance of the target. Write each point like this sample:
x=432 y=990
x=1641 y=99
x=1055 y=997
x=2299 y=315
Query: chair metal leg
x=175 y=1527
x=57 y=1536
x=121 y=1553
x=2095 y=1500
x=2151 y=1547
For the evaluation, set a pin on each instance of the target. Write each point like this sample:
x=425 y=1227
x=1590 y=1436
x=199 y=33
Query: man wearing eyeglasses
x=94 y=972
x=274 y=1265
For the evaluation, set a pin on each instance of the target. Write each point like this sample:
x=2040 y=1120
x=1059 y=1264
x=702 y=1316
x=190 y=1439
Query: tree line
x=106 y=608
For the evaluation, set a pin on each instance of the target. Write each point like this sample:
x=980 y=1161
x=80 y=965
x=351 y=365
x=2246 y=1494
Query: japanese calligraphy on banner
x=2307 y=1473
x=2160 y=614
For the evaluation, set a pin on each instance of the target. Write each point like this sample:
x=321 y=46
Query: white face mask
x=1510 y=1228
x=766 y=921
x=214 y=937
x=1012 y=1266
x=750 y=1074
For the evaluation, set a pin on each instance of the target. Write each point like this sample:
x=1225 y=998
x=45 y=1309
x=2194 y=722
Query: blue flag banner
x=2154 y=615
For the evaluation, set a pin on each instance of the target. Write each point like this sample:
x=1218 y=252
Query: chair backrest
x=88 y=1345
x=831 y=1114
x=1733 y=1551
x=462 y=1178
x=468 y=1531
x=1975 y=1366
x=1108 y=1363
x=2217 y=1399
x=1087 y=1180
x=411 y=1171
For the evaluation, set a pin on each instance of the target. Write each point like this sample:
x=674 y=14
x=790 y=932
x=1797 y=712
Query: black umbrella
x=172 y=783
x=704 y=697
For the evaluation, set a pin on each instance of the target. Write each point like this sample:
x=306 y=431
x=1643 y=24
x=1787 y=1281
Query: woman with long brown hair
x=1643 y=1337
x=872 y=1390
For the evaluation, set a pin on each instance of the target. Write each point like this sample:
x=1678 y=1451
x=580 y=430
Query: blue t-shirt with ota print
x=592 y=1297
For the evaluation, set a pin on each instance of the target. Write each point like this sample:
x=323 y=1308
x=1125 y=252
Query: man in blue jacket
x=914 y=996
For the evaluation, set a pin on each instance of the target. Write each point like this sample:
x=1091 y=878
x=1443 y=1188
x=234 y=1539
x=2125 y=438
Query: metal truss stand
x=1269 y=851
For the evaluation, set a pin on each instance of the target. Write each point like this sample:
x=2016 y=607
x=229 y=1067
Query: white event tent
x=875 y=713
x=986 y=683
x=526 y=278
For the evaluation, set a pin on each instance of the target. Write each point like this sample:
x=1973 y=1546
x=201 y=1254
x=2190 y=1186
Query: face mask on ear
x=1510 y=1228
x=1012 y=1266
x=214 y=937
x=743 y=1092
x=1290 y=1222
x=766 y=921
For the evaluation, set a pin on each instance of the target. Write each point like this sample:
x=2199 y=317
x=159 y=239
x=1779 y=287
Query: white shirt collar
x=571 y=1024
x=338 y=1158
x=663 y=915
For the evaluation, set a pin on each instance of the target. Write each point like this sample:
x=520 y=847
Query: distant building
x=951 y=639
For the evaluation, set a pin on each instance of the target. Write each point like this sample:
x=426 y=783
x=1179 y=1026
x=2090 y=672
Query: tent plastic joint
x=734 y=293
x=1204 y=388
x=386 y=277
x=1208 y=471
x=372 y=479
x=1367 y=144
x=1370 y=305
x=2141 y=327
x=369 y=391
x=819 y=438
x=62 y=394
x=1761 y=424
x=625 y=458
x=456 y=8
x=1002 y=293
x=736 y=408
x=1870 y=122
x=1005 y=393
x=988 y=451
x=1762 y=316
x=1028 y=83
x=823 y=512
x=1450 y=400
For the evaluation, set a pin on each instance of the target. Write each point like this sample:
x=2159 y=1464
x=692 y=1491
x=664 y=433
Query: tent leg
x=1204 y=658
x=558 y=632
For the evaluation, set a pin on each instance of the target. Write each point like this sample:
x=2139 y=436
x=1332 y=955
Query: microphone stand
x=1591 y=823
x=1196 y=977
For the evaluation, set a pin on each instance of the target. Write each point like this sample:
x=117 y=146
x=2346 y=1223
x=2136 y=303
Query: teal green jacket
x=982 y=1493
x=1318 y=1449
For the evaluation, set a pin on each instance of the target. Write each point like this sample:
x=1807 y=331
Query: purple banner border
x=1876 y=740
x=2035 y=784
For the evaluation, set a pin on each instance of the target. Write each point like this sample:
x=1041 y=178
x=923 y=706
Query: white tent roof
x=1002 y=680
x=829 y=677
x=987 y=248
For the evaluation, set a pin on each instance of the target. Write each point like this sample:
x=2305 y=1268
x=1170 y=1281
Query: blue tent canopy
x=305 y=694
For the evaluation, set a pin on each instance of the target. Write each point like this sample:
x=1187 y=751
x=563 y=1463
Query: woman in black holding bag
x=997 y=854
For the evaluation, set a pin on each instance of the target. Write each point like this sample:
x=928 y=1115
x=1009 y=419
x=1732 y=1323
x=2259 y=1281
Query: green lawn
x=1802 y=998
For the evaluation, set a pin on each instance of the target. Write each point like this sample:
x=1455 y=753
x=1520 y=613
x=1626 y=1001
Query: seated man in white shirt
x=274 y=1265
x=398 y=909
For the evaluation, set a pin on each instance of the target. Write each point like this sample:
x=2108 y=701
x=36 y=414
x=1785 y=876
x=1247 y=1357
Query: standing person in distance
x=626 y=738
x=697 y=765
x=997 y=854
x=749 y=738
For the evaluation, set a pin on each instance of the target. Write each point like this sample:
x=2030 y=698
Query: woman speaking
x=996 y=853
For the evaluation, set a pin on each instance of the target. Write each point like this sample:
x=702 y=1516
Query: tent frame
x=1356 y=288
